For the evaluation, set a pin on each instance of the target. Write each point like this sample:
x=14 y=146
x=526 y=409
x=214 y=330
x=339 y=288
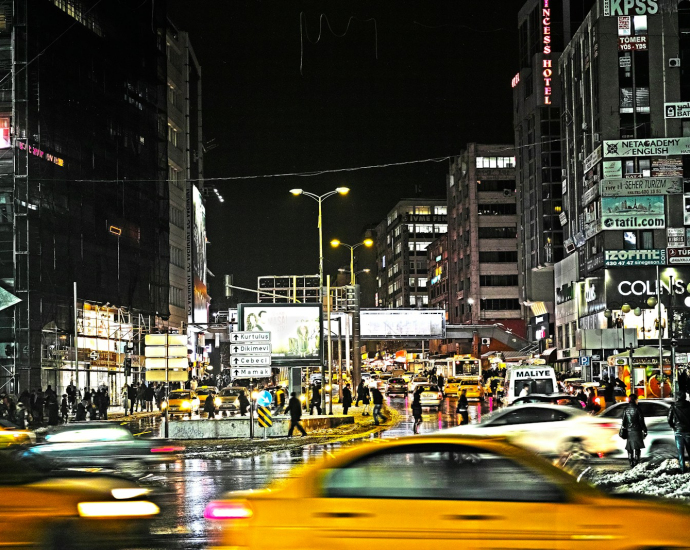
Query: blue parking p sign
x=584 y=360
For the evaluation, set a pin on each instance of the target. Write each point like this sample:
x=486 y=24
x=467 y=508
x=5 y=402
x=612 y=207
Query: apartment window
x=175 y=177
x=176 y=256
x=177 y=296
x=173 y=135
x=419 y=246
x=176 y=217
x=498 y=280
x=507 y=209
x=498 y=257
x=496 y=185
x=441 y=229
x=499 y=304
x=497 y=232
x=495 y=162
x=413 y=300
x=441 y=210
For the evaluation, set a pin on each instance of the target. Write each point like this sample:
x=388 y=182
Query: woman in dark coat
x=366 y=399
x=462 y=408
x=347 y=398
x=244 y=404
x=360 y=393
x=634 y=423
x=417 y=409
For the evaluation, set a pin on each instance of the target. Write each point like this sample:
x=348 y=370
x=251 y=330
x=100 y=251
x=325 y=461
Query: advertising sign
x=295 y=330
x=679 y=255
x=632 y=43
x=634 y=257
x=667 y=167
x=624 y=187
x=644 y=212
x=638 y=284
x=675 y=237
x=402 y=324
x=646 y=147
x=592 y=296
x=621 y=8
x=197 y=301
x=677 y=110
x=592 y=160
x=612 y=169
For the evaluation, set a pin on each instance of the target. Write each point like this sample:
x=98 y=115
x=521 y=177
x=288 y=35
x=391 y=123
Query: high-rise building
x=545 y=26
x=625 y=159
x=482 y=237
x=401 y=258
x=83 y=195
x=189 y=300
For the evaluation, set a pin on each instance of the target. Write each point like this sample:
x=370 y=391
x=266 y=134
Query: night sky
x=425 y=79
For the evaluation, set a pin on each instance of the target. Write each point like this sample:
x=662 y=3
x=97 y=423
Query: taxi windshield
x=430 y=388
x=231 y=393
x=469 y=382
x=181 y=395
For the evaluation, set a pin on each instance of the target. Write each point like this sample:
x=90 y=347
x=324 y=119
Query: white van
x=539 y=378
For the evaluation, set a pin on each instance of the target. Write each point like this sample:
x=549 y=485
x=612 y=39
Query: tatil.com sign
x=647 y=147
x=645 y=212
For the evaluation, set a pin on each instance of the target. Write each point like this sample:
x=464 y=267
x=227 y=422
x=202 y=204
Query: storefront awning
x=548 y=353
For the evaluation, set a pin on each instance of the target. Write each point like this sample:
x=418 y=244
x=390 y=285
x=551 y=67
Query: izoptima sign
x=617 y=8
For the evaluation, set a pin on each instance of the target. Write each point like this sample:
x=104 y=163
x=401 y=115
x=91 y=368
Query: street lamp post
x=320 y=199
x=366 y=242
x=365 y=270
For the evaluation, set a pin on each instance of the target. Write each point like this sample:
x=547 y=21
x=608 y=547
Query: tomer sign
x=618 y=8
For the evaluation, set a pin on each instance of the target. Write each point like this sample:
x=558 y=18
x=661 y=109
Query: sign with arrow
x=244 y=349
x=250 y=361
x=250 y=372
x=249 y=336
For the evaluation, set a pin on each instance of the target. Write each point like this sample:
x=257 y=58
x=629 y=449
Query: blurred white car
x=548 y=429
x=431 y=396
x=416 y=381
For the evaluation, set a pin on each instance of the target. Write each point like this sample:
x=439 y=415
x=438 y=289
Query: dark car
x=98 y=444
x=564 y=399
x=398 y=386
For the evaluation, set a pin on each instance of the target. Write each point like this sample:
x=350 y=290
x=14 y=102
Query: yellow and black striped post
x=265 y=418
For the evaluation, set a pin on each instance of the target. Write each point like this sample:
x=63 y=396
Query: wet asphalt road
x=187 y=485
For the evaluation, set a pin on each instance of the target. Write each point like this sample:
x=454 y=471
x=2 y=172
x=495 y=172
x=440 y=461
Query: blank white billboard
x=402 y=324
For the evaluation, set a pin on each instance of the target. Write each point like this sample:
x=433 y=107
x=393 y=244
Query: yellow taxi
x=70 y=509
x=452 y=387
x=430 y=490
x=473 y=385
x=181 y=402
x=13 y=435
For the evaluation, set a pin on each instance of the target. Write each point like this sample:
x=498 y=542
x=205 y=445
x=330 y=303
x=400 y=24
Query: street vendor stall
x=649 y=379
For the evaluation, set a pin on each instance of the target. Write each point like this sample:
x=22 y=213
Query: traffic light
x=352 y=298
x=128 y=366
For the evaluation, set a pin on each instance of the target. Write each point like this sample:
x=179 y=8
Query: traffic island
x=238 y=426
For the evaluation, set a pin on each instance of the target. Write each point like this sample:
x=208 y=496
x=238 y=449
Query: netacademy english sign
x=646 y=147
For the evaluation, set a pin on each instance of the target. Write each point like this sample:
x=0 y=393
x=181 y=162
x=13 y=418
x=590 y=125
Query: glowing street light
x=366 y=242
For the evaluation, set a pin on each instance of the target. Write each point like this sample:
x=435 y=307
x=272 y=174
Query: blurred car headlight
x=132 y=492
x=119 y=508
x=186 y=405
x=164 y=405
x=217 y=401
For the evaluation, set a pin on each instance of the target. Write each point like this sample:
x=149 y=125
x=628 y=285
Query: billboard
x=643 y=212
x=296 y=331
x=196 y=255
x=634 y=257
x=402 y=324
x=625 y=187
x=647 y=147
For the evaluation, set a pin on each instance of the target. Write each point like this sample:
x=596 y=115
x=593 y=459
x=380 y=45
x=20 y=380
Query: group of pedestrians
x=139 y=397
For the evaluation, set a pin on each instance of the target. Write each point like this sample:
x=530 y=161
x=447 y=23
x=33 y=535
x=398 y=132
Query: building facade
x=401 y=244
x=82 y=187
x=482 y=237
x=625 y=160
x=189 y=300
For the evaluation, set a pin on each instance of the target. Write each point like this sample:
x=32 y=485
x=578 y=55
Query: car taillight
x=440 y=395
x=598 y=401
x=167 y=449
x=609 y=425
x=221 y=509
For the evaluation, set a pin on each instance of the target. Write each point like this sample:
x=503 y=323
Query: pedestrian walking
x=360 y=392
x=149 y=394
x=417 y=409
x=462 y=408
x=347 y=398
x=441 y=382
x=125 y=397
x=243 y=403
x=634 y=429
x=22 y=416
x=377 y=397
x=141 y=397
x=64 y=408
x=210 y=405
x=103 y=404
x=679 y=420
x=365 y=401
x=53 y=410
x=132 y=395
x=280 y=398
x=315 y=400
x=71 y=394
x=160 y=396
x=81 y=410
x=294 y=407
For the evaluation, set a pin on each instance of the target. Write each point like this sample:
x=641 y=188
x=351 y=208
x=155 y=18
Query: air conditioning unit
x=486 y=341
x=597 y=137
x=674 y=62
x=508 y=193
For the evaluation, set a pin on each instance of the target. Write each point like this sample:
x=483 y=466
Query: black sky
x=429 y=77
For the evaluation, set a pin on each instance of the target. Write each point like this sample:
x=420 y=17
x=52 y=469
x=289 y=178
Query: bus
x=466 y=365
